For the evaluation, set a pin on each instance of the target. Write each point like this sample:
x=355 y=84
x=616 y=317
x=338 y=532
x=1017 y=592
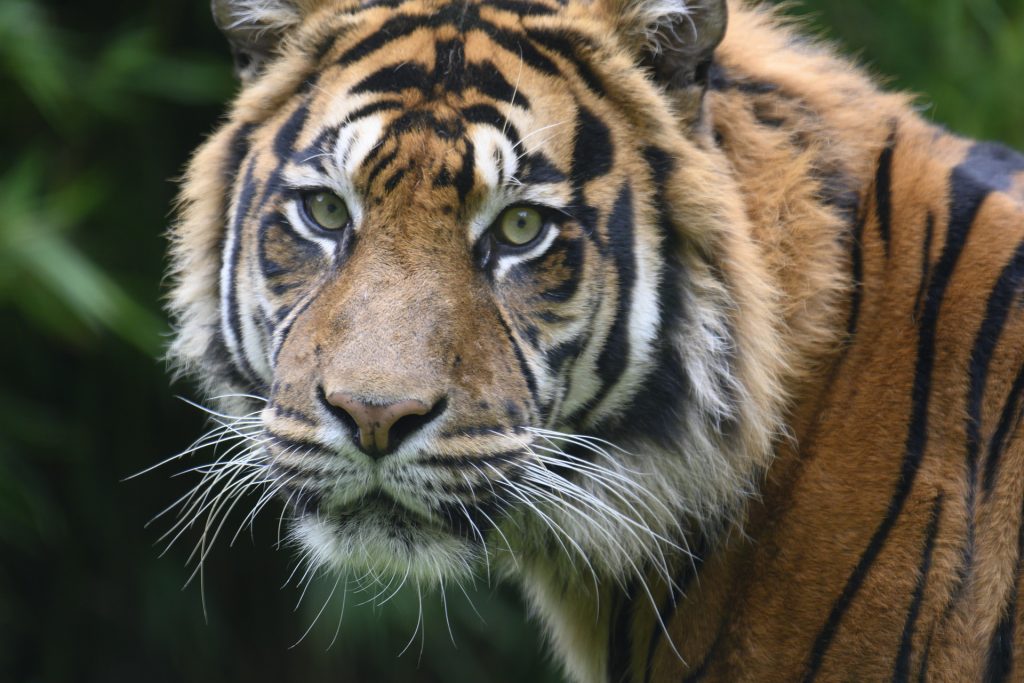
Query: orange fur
x=855 y=512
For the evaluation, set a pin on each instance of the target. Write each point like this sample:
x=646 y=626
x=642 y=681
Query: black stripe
x=373 y=108
x=487 y=79
x=417 y=119
x=883 y=190
x=620 y=635
x=926 y=262
x=321 y=49
x=371 y=4
x=1001 y=647
x=720 y=80
x=966 y=194
x=537 y=169
x=392 y=182
x=520 y=48
x=238 y=149
x=464 y=17
x=284 y=151
x=489 y=115
x=306 y=250
x=1008 y=421
x=1000 y=301
x=242 y=208
x=296 y=445
x=395 y=78
x=466 y=176
x=922 y=674
x=288 y=133
x=593 y=153
x=449 y=65
x=567 y=44
x=571 y=251
x=901 y=672
x=292 y=414
x=652 y=412
x=521 y=7
x=592 y=157
x=379 y=166
x=320 y=149
x=393 y=29
x=614 y=358
x=856 y=273
x=524 y=367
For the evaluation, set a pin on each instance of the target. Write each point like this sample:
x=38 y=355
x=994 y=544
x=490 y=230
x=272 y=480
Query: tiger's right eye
x=326 y=210
x=519 y=225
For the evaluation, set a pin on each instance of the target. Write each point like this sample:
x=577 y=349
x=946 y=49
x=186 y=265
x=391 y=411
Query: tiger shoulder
x=658 y=309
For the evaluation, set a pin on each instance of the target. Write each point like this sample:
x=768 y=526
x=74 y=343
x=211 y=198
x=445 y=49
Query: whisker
x=318 y=614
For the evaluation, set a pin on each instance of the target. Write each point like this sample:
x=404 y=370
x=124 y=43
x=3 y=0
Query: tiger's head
x=482 y=274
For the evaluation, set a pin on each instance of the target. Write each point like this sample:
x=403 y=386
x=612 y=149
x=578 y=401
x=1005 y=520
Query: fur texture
x=748 y=408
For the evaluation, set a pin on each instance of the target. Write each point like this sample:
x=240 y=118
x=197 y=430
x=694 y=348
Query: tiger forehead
x=433 y=109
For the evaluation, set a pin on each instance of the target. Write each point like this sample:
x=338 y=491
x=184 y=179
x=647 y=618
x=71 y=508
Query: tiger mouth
x=377 y=510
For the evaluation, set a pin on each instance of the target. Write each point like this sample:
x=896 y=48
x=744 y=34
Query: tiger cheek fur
x=434 y=396
x=638 y=311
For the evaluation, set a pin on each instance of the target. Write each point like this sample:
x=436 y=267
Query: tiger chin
x=654 y=307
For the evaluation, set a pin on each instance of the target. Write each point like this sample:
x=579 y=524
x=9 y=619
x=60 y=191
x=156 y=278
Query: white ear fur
x=676 y=38
x=254 y=29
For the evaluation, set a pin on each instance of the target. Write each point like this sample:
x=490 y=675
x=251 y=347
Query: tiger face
x=473 y=284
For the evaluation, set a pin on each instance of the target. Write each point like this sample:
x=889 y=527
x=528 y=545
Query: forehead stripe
x=463 y=180
x=395 y=78
x=373 y=108
x=487 y=114
x=463 y=18
x=565 y=44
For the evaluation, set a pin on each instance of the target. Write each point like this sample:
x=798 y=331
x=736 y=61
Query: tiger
x=659 y=310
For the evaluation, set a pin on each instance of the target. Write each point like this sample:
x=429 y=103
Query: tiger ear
x=676 y=39
x=254 y=29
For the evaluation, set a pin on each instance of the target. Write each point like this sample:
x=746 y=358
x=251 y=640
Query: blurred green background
x=101 y=103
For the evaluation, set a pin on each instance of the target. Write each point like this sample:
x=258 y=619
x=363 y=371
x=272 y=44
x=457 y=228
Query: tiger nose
x=382 y=427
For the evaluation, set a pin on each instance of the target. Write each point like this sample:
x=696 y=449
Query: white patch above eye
x=356 y=140
x=491 y=148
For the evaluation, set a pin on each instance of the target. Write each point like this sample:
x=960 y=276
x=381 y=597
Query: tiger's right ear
x=254 y=28
x=675 y=40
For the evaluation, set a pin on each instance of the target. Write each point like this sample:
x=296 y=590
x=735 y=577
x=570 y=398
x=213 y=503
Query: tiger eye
x=327 y=210
x=519 y=225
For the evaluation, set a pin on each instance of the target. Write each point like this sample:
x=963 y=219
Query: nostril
x=412 y=422
x=379 y=428
x=341 y=414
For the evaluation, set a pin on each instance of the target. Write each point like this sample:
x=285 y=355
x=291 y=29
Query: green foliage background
x=101 y=103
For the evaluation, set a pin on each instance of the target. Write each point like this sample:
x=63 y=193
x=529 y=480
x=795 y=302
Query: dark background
x=100 y=105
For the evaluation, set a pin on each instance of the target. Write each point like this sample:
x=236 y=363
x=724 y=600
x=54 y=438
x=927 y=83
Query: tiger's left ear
x=255 y=28
x=676 y=39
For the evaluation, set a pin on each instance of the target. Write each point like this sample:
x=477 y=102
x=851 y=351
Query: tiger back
x=657 y=309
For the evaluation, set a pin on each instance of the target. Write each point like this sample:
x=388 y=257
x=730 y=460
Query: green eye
x=326 y=209
x=519 y=225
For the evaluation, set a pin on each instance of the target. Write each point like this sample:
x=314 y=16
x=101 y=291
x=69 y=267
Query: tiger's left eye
x=326 y=210
x=519 y=225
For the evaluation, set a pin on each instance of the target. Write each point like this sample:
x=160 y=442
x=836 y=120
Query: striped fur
x=749 y=410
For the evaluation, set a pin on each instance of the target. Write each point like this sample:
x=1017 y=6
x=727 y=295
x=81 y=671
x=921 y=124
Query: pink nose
x=382 y=427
